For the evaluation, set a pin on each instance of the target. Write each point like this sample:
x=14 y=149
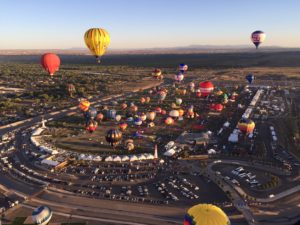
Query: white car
x=242 y=175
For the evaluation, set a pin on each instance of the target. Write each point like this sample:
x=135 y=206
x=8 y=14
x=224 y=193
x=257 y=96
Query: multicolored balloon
x=258 y=37
x=113 y=137
x=246 y=126
x=92 y=126
x=183 y=67
x=123 y=126
x=157 y=73
x=169 y=121
x=42 y=215
x=179 y=77
x=84 y=105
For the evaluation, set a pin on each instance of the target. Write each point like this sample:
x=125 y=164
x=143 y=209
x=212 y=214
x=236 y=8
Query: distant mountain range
x=192 y=49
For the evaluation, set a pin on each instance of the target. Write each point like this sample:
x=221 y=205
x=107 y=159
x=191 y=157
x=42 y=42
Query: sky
x=60 y=24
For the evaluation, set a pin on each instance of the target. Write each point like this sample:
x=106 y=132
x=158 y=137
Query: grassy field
x=204 y=60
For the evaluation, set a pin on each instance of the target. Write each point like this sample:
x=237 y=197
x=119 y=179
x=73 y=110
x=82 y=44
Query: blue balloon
x=250 y=78
x=90 y=114
x=111 y=114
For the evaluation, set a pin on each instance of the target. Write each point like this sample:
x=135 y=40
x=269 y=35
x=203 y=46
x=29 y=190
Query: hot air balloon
x=205 y=214
x=151 y=115
x=174 y=113
x=250 y=78
x=217 y=107
x=84 y=105
x=246 y=126
x=225 y=98
x=181 y=91
x=169 y=121
x=118 y=118
x=124 y=106
x=158 y=110
x=113 y=137
x=143 y=116
x=181 y=112
x=50 y=63
x=111 y=114
x=206 y=88
x=183 y=67
x=97 y=40
x=92 y=126
x=178 y=101
x=71 y=89
x=91 y=113
x=218 y=92
x=179 y=77
x=99 y=117
x=133 y=108
x=123 y=126
x=192 y=86
x=198 y=93
x=42 y=215
x=162 y=95
x=148 y=99
x=157 y=73
x=142 y=100
x=128 y=144
x=138 y=121
x=258 y=37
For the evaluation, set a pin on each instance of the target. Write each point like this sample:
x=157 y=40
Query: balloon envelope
x=97 y=40
x=258 y=37
x=50 y=63
x=183 y=67
x=246 y=126
x=84 y=105
x=206 y=214
x=113 y=137
x=250 y=78
x=42 y=215
x=206 y=88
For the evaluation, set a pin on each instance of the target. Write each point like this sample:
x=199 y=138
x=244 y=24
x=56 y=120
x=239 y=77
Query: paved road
x=238 y=201
x=261 y=167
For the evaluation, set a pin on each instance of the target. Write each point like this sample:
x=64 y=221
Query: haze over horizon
x=147 y=24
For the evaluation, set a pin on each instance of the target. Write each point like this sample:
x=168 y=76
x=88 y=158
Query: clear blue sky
x=34 y=24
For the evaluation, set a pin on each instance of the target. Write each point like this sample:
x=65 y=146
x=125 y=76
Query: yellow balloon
x=206 y=214
x=97 y=40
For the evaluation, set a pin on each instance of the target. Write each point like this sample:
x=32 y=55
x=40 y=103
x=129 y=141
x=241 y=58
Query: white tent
x=169 y=153
x=149 y=156
x=133 y=158
x=141 y=157
x=108 y=159
x=125 y=158
x=89 y=157
x=97 y=158
x=117 y=159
